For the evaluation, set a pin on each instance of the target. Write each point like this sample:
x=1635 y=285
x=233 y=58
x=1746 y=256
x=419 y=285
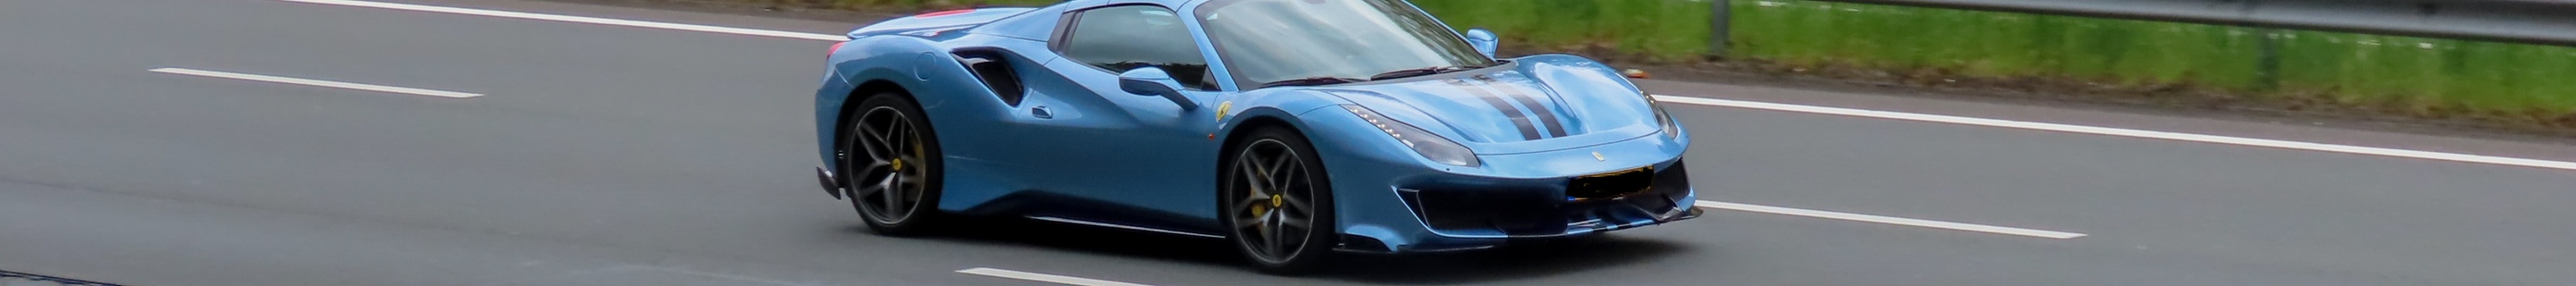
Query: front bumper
x=1551 y=207
x=1390 y=200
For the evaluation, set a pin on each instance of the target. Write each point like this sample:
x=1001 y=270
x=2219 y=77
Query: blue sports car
x=1297 y=129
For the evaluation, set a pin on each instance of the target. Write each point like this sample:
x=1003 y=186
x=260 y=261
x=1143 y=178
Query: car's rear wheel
x=1277 y=202
x=893 y=165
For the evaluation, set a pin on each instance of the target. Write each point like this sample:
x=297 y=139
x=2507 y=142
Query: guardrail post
x=1718 y=27
x=2267 y=73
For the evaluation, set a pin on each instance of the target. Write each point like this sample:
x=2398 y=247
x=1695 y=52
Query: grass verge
x=2419 y=77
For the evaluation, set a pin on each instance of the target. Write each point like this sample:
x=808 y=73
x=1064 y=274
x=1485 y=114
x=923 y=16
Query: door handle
x=1041 y=112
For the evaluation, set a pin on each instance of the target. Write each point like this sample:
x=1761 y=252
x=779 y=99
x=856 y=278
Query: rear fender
x=948 y=92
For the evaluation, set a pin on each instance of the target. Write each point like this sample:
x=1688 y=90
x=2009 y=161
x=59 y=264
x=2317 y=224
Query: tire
x=889 y=147
x=1269 y=183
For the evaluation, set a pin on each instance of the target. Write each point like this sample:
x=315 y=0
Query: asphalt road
x=609 y=155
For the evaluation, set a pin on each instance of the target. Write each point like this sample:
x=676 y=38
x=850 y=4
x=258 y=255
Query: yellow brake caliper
x=1261 y=209
x=898 y=162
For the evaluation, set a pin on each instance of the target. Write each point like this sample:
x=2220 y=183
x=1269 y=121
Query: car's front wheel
x=893 y=165
x=1277 y=202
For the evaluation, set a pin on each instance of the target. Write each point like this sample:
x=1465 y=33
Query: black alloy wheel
x=892 y=161
x=1278 y=207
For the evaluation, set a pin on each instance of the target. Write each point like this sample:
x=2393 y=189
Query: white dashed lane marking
x=1889 y=220
x=316 y=82
x=1050 y=278
x=580 y=19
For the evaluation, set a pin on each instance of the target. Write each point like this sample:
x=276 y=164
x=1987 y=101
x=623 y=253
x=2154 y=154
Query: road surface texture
x=137 y=149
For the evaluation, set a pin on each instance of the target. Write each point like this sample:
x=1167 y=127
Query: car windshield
x=1300 y=42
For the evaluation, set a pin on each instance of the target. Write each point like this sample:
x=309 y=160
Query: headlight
x=1671 y=129
x=1423 y=142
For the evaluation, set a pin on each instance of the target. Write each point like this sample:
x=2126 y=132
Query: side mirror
x=1152 y=81
x=1483 y=40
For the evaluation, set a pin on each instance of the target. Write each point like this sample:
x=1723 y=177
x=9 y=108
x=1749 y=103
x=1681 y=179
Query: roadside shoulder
x=2139 y=118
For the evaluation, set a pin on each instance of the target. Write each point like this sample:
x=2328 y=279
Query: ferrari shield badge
x=1596 y=156
x=1221 y=108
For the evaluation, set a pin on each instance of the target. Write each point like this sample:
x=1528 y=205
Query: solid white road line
x=2125 y=132
x=1665 y=98
x=580 y=19
x=1058 y=279
x=1889 y=220
x=313 y=82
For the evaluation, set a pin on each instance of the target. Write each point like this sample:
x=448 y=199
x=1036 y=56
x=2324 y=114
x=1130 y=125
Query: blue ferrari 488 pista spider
x=1296 y=129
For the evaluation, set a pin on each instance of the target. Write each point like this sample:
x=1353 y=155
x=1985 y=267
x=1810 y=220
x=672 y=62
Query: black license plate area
x=1610 y=185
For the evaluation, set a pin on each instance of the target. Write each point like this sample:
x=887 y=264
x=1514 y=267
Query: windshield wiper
x=1416 y=72
x=1321 y=80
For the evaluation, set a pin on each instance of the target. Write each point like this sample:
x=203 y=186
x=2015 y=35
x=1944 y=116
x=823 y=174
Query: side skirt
x=1125 y=227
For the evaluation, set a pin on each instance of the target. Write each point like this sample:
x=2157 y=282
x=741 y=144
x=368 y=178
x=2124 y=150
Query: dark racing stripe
x=1518 y=119
x=1528 y=97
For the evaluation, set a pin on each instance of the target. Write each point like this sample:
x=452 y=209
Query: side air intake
x=993 y=67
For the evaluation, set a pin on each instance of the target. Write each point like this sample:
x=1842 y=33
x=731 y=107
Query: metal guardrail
x=2548 y=22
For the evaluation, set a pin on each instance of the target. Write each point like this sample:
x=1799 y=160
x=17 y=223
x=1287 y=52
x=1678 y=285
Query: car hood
x=1523 y=106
